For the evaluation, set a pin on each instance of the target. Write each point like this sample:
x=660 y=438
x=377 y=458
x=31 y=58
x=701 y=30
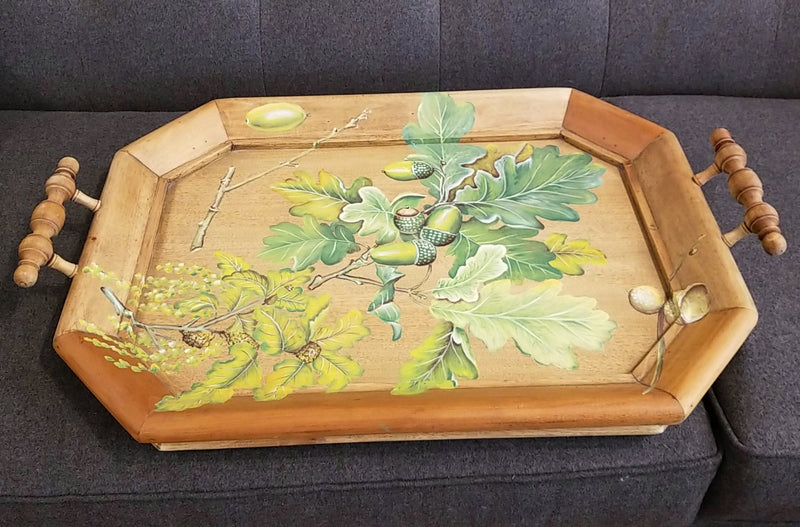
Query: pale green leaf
x=441 y=123
x=485 y=265
x=343 y=334
x=543 y=324
x=250 y=280
x=572 y=255
x=308 y=244
x=442 y=358
x=202 y=304
x=323 y=198
x=316 y=308
x=233 y=297
x=228 y=263
x=376 y=213
x=288 y=375
x=335 y=371
x=389 y=313
x=526 y=259
x=277 y=332
x=542 y=186
x=242 y=371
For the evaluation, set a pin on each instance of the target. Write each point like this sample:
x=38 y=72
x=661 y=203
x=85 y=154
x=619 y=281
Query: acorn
x=408 y=220
x=236 y=337
x=417 y=252
x=309 y=352
x=197 y=339
x=442 y=226
x=275 y=117
x=688 y=305
x=646 y=299
x=408 y=170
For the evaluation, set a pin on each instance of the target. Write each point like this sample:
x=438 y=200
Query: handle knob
x=47 y=219
x=745 y=186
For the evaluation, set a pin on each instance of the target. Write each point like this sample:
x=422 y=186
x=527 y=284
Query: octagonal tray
x=403 y=266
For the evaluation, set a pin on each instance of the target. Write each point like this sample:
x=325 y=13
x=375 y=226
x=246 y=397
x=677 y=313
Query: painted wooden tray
x=406 y=266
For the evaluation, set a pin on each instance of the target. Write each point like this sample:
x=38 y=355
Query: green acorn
x=417 y=252
x=275 y=117
x=442 y=226
x=408 y=170
x=408 y=220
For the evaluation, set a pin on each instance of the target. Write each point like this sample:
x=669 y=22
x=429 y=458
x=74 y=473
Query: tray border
x=637 y=146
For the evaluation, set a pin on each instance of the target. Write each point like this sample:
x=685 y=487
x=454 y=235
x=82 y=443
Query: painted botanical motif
x=477 y=209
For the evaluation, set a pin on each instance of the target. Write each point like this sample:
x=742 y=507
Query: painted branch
x=202 y=227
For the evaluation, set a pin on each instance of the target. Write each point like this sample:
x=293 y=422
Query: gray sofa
x=84 y=78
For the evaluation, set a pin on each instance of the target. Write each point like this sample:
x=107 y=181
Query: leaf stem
x=362 y=261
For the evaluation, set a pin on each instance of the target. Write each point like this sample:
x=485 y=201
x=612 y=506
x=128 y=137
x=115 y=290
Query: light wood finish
x=47 y=220
x=160 y=187
x=760 y=218
x=506 y=434
x=116 y=240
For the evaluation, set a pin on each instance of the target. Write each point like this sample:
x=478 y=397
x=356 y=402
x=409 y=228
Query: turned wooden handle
x=47 y=219
x=744 y=184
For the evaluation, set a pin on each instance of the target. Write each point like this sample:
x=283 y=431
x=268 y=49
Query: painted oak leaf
x=307 y=244
x=277 y=332
x=540 y=187
x=485 y=265
x=526 y=259
x=335 y=371
x=376 y=213
x=228 y=263
x=441 y=123
x=242 y=371
x=323 y=198
x=572 y=255
x=343 y=334
x=442 y=358
x=382 y=305
x=287 y=376
x=543 y=324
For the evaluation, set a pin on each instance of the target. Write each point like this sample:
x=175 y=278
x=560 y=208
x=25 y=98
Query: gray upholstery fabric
x=723 y=47
x=350 y=46
x=64 y=458
x=756 y=399
x=490 y=45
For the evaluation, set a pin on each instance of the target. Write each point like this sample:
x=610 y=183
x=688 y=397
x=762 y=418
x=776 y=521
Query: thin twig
x=202 y=227
x=318 y=280
x=225 y=186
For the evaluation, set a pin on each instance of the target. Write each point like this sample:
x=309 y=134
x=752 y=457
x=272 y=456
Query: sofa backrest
x=155 y=55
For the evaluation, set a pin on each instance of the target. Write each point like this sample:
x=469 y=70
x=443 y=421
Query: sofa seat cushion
x=756 y=401
x=64 y=458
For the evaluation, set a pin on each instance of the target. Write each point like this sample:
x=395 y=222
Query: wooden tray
x=246 y=281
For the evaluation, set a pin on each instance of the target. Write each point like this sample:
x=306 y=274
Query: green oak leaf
x=541 y=186
x=443 y=356
x=306 y=245
x=543 y=324
x=204 y=304
x=323 y=198
x=382 y=305
x=242 y=371
x=228 y=263
x=335 y=371
x=390 y=314
x=485 y=265
x=376 y=213
x=288 y=375
x=526 y=259
x=570 y=256
x=277 y=332
x=441 y=123
x=343 y=334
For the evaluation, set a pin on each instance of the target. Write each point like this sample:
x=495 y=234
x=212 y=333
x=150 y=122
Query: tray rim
x=608 y=132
